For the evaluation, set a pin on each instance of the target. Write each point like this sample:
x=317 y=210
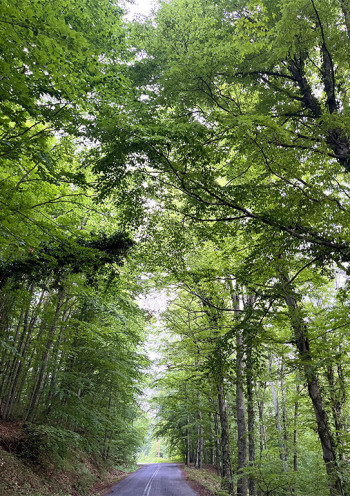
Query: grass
x=155 y=459
x=207 y=477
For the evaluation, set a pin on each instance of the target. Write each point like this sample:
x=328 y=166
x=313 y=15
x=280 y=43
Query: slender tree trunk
x=295 y=430
x=15 y=391
x=345 y=6
x=45 y=359
x=188 y=442
x=53 y=386
x=7 y=316
x=277 y=416
x=199 y=450
x=262 y=433
x=337 y=400
x=7 y=364
x=217 y=445
x=58 y=359
x=308 y=369
x=11 y=371
x=205 y=453
x=284 y=416
x=105 y=449
x=242 y=483
x=261 y=427
x=251 y=420
x=226 y=471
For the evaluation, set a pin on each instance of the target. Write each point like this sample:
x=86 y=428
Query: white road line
x=149 y=483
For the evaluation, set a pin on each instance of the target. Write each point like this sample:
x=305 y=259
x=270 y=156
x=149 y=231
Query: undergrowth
x=207 y=477
x=37 y=460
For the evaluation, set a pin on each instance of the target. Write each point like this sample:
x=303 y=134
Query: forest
x=199 y=157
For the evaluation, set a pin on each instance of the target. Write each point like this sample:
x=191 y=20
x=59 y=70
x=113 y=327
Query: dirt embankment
x=78 y=476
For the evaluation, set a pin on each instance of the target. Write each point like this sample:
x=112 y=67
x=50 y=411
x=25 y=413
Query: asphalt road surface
x=156 y=479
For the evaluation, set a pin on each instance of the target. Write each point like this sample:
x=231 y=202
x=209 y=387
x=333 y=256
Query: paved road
x=156 y=479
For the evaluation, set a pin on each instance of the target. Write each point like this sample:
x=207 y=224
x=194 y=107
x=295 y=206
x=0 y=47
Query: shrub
x=45 y=445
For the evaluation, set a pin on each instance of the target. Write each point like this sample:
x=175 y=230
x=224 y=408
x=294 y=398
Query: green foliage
x=45 y=445
x=71 y=333
x=215 y=134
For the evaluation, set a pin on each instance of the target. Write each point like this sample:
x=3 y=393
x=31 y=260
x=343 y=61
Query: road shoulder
x=205 y=482
x=101 y=488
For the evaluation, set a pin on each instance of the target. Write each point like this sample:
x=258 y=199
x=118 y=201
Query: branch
x=328 y=68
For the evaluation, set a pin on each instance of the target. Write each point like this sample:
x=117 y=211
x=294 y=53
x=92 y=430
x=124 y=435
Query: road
x=156 y=479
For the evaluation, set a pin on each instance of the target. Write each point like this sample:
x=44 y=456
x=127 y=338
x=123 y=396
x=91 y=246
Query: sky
x=142 y=7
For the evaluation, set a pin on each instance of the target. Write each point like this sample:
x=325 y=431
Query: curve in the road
x=156 y=479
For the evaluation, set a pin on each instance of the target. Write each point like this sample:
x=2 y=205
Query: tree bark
x=277 y=417
x=308 y=369
x=15 y=391
x=199 y=450
x=284 y=418
x=226 y=471
x=217 y=445
x=262 y=433
x=337 y=400
x=251 y=420
x=295 y=430
x=44 y=363
x=188 y=442
x=345 y=6
x=242 y=483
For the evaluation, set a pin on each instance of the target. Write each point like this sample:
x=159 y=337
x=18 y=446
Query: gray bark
x=217 y=445
x=226 y=471
x=295 y=431
x=45 y=359
x=242 y=483
x=345 y=6
x=199 y=450
x=188 y=442
x=277 y=416
x=251 y=421
x=262 y=433
x=308 y=369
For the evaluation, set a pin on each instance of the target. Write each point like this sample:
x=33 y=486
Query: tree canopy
x=204 y=151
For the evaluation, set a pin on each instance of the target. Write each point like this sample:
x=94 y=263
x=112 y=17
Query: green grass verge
x=155 y=459
x=207 y=477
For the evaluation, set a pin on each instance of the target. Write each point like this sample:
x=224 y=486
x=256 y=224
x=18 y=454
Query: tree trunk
x=295 y=430
x=188 y=442
x=45 y=359
x=337 y=400
x=345 y=6
x=262 y=433
x=199 y=450
x=277 y=416
x=6 y=368
x=284 y=418
x=217 y=445
x=15 y=391
x=308 y=369
x=242 y=483
x=226 y=471
x=251 y=420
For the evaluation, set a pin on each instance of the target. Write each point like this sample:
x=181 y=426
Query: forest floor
x=82 y=476
x=204 y=481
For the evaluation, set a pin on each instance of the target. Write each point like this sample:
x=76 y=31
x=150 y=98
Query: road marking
x=149 y=483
